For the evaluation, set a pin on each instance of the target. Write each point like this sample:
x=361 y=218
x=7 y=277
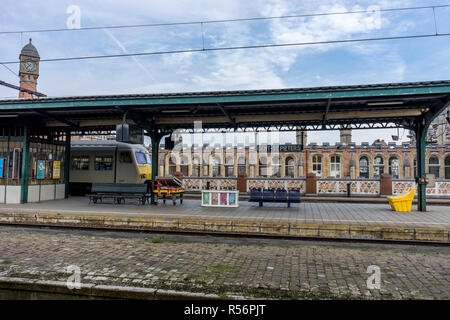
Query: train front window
x=103 y=163
x=140 y=158
x=149 y=159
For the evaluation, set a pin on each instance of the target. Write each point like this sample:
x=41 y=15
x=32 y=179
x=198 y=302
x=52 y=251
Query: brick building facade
x=342 y=160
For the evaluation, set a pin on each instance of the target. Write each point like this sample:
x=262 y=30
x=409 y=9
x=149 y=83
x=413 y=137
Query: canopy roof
x=361 y=106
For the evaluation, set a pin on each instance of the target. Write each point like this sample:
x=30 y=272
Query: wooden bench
x=119 y=192
x=279 y=195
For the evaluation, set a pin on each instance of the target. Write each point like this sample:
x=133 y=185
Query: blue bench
x=279 y=195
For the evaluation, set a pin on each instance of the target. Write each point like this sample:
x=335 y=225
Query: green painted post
x=67 y=165
x=156 y=138
x=25 y=166
x=421 y=133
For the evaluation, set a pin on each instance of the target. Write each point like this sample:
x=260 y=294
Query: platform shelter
x=34 y=130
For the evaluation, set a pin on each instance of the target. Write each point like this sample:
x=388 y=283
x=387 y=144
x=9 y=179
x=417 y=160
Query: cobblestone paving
x=294 y=270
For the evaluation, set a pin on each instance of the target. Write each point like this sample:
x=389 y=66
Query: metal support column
x=156 y=138
x=421 y=132
x=67 y=164
x=25 y=166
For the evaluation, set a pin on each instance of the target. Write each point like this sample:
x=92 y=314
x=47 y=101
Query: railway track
x=226 y=234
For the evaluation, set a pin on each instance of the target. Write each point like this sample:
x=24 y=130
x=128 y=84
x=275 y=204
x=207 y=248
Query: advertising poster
x=56 y=169
x=223 y=198
x=214 y=198
x=232 y=199
x=40 y=169
x=206 y=198
x=2 y=167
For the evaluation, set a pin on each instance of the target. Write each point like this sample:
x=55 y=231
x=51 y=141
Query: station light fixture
x=384 y=103
x=175 y=111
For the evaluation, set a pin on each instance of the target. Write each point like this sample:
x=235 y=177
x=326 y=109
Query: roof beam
x=56 y=118
x=309 y=116
x=227 y=114
x=324 y=120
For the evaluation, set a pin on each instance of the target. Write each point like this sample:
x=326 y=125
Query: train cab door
x=126 y=171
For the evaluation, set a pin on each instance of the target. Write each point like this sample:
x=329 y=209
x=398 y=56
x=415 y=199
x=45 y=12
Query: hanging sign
x=2 y=167
x=56 y=174
x=280 y=148
x=40 y=169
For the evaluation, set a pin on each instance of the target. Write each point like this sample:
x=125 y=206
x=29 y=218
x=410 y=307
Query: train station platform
x=307 y=219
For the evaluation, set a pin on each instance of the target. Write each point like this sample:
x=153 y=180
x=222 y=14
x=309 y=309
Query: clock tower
x=29 y=70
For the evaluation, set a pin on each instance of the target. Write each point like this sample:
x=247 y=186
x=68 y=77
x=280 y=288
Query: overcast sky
x=422 y=59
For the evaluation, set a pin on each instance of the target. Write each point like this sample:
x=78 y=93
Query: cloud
x=225 y=70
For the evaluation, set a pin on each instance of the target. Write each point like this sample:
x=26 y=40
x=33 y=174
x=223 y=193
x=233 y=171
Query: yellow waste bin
x=403 y=201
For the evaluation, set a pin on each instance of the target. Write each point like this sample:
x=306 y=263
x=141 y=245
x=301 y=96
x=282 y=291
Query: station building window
x=172 y=165
x=196 y=167
x=290 y=167
x=229 y=167
x=216 y=167
x=103 y=163
x=12 y=162
x=276 y=167
x=335 y=167
x=447 y=167
x=317 y=165
x=242 y=166
x=364 y=167
x=43 y=155
x=394 y=167
x=433 y=166
x=378 y=166
x=184 y=167
x=80 y=163
x=263 y=166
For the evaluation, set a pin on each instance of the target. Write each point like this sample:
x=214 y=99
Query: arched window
x=172 y=165
x=378 y=166
x=317 y=165
x=276 y=167
x=263 y=166
x=184 y=166
x=447 y=167
x=242 y=167
x=229 y=166
x=433 y=166
x=335 y=167
x=394 y=167
x=364 y=167
x=216 y=167
x=196 y=167
x=290 y=167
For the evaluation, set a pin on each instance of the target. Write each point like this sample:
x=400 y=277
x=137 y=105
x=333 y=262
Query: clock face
x=29 y=65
